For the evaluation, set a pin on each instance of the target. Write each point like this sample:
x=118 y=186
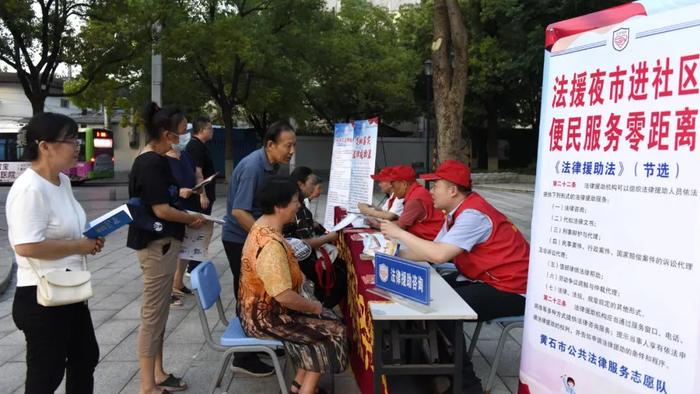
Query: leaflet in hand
x=356 y=219
x=207 y=217
x=109 y=222
x=205 y=182
x=195 y=243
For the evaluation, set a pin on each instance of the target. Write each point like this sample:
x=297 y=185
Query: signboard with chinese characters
x=11 y=170
x=402 y=277
x=612 y=297
x=354 y=156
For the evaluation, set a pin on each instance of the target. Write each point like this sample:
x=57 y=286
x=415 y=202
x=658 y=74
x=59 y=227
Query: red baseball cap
x=451 y=170
x=383 y=175
x=402 y=173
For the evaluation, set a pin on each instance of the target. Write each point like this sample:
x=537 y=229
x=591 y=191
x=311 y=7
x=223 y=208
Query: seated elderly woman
x=270 y=302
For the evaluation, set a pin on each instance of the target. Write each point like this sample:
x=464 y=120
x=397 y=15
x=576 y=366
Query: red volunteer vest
x=430 y=226
x=502 y=260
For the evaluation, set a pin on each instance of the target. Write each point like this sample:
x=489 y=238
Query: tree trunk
x=260 y=123
x=37 y=102
x=449 y=58
x=227 y=116
x=492 y=138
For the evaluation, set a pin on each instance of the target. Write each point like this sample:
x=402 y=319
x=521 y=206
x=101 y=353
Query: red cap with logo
x=382 y=176
x=402 y=173
x=452 y=170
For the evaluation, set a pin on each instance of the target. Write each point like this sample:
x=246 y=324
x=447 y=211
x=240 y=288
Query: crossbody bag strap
x=33 y=268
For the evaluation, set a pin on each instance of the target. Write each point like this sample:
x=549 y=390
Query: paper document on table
x=360 y=222
x=376 y=242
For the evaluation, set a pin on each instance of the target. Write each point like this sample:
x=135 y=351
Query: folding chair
x=507 y=324
x=205 y=283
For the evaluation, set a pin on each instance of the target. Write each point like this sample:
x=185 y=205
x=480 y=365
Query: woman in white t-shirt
x=45 y=225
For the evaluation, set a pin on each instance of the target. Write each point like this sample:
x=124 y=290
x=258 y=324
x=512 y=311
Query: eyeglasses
x=175 y=133
x=76 y=143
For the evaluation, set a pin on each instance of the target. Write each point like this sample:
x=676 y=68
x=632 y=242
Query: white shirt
x=396 y=207
x=38 y=210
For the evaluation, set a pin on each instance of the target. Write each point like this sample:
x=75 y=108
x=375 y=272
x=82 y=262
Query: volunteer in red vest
x=491 y=255
x=419 y=217
x=392 y=206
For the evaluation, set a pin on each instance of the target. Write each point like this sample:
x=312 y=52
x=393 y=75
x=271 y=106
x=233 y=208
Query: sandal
x=172 y=384
x=296 y=385
x=184 y=291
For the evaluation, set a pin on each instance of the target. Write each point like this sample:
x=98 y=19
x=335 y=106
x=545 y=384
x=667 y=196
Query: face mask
x=184 y=139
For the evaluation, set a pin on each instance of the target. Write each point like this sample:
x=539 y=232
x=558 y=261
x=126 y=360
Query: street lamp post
x=428 y=71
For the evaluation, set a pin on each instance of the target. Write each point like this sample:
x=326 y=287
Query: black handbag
x=143 y=217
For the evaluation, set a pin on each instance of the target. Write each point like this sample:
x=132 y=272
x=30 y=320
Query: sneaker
x=175 y=302
x=184 y=291
x=251 y=366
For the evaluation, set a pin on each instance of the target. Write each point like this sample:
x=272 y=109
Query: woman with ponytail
x=151 y=181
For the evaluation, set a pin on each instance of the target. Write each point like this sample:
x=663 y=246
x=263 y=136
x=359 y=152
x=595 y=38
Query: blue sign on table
x=402 y=277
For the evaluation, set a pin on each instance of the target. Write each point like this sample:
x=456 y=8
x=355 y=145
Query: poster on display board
x=364 y=157
x=341 y=170
x=353 y=161
x=612 y=299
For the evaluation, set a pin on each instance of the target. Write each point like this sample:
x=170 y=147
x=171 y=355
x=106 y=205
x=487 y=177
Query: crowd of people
x=286 y=271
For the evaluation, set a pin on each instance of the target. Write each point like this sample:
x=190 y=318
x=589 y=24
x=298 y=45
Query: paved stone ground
x=116 y=304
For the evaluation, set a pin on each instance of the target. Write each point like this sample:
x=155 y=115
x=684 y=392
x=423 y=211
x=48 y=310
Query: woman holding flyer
x=183 y=169
x=156 y=236
x=45 y=225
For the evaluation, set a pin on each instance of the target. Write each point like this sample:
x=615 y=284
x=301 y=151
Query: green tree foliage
x=36 y=37
x=361 y=68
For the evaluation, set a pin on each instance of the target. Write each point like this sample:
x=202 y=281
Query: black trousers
x=489 y=303
x=60 y=339
x=234 y=251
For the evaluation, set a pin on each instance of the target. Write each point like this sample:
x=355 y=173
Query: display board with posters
x=341 y=170
x=353 y=161
x=613 y=302
x=364 y=157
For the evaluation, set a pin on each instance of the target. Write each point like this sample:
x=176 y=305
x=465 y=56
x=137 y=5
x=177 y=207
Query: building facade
x=15 y=106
